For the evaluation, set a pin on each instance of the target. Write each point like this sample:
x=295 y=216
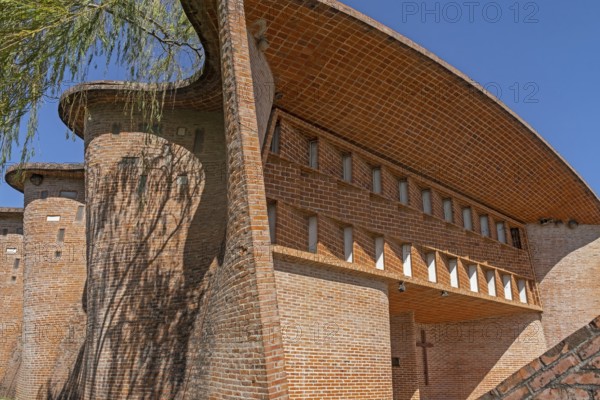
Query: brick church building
x=327 y=211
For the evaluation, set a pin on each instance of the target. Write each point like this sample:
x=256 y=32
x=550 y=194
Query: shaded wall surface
x=570 y=370
x=336 y=334
x=567 y=265
x=156 y=212
x=11 y=290
x=54 y=278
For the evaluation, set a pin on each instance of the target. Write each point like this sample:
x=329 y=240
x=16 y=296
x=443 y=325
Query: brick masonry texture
x=336 y=334
x=567 y=265
x=190 y=295
x=54 y=278
x=468 y=359
x=11 y=292
x=569 y=370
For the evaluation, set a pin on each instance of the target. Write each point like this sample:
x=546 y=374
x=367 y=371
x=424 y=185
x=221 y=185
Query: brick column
x=54 y=277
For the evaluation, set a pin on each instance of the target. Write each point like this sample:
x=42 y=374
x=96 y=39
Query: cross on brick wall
x=424 y=345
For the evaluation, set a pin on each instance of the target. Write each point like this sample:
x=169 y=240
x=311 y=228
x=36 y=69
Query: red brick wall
x=403 y=337
x=11 y=289
x=153 y=242
x=567 y=264
x=570 y=370
x=291 y=183
x=336 y=334
x=468 y=359
x=54 y=277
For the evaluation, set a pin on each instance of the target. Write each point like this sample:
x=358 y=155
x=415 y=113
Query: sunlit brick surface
x=11 y=300
x=567 y=265
x=54 y=275
x=184 y=299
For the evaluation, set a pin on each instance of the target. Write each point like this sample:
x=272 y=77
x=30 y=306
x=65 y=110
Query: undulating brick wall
x=569 y=370
x=262 y=79
x=11 y=300
x=468 y=359
x=336 y=333
x=156 y=219
x=567 y=267
x=54 y=278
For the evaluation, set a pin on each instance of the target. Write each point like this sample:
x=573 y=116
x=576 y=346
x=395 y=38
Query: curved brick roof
x=362 y=81
x=17 y=174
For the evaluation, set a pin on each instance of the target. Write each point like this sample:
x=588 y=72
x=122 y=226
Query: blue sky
x=541 y=58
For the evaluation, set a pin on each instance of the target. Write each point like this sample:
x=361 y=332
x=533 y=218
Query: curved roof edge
x=335 y=4
x=16 y=174
x=116 y=86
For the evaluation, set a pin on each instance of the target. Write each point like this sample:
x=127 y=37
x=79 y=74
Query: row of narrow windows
x=430 y=258
x=427 y=199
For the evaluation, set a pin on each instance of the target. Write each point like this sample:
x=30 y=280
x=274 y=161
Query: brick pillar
x=54 y=277
x=157 y=206
x=11 y=287
x=247 y=275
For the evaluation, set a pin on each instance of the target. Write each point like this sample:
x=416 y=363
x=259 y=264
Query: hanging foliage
x=49 y=45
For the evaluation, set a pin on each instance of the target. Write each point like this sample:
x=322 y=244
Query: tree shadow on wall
x=156 y=226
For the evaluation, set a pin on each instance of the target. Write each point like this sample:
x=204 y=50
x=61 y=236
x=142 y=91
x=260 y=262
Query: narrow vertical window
x=515 y=234
x=60 y=236
x=491 y=282
x=448 y=211
x=115 y=128
x=348 y=244
x=79 y=214
x=17 y=263
x=473 y=282
x=501 y=232
x=431 y=267
x=199 y=141
x=347 y=167
x=467 y=220
x=484 y=225
x=377 y=180
x=379 y=252
x=19 y=231
x=426 y=196
x=313 y=154
x=312 y=233
x=5 y=232
x=453 y=269
x=507 y=282
x=407 y=259
x=522 y=291
x=272 y=216
x=276 y=139
x=44 y=194
x=403 y=191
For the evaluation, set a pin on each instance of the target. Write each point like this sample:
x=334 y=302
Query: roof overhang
x=350 y=75
x=17 y=174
